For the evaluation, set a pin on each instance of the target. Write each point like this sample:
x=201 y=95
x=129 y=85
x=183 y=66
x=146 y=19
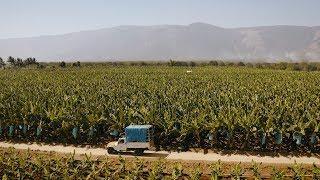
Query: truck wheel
x=138 y=152
x=111 y=150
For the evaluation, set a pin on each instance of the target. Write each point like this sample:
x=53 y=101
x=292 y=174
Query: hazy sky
x=24 y=18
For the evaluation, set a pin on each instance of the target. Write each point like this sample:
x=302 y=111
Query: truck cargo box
x=139 y=133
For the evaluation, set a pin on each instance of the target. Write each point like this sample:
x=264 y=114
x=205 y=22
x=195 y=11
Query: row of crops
x=211 y=107
x=29 y=165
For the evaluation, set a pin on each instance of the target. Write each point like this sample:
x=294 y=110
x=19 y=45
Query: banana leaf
x=91 y=131
x=225 y=133
x=314 y=139
x=177 y=126
x=39 y=130
x=278 y=137
x=210 y=136
x=297 y=137
x=75 y=132
x=114 y=133
x=24 y=129
x=263 y=138
x=11 y=129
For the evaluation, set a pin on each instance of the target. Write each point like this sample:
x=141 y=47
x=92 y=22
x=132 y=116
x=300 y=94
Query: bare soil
x=230 y=157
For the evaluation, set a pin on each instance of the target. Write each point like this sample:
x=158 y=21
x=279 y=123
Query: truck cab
x=137 y=138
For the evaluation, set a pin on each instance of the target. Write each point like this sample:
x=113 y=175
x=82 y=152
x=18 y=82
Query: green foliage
x=156 y=172
x=298 y=171
x=255 y=167
x=237 y=171
x=2 y=63
x=30 y=165
x=18 y=62
x=277 y=175
x=225 y=102
x=213 y=63
x=196 y=173
x=137 y=171
x=76 y=64
x=177 y=171
x=11 y=60
x=315 y=172
x=63 y=64
x=240 y=64
x=216 y=170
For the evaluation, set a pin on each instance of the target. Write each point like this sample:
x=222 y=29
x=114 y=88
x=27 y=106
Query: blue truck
x=138 y=138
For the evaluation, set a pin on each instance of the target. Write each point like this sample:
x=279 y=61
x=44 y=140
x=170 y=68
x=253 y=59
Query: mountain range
x=197 y=41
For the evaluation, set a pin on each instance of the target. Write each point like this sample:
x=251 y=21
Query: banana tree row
x=258 y=107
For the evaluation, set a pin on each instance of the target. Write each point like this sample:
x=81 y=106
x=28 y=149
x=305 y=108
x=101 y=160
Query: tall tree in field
x=19 y=62
x=76 y=64
x=30 y=61
x=62 y=64
x=11 y=61
x=2 y=63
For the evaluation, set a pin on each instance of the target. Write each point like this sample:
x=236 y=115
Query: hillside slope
x=194 y=41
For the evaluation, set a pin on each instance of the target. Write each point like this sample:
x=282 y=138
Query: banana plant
x=315 y=172
x=278 y=135
x=216 y=170
x=177 y=171
x=237 y=171
x=137 y=172
x=277 y=174
x=221 y=108
x=157 y=170
x=255 y=168
x=298 y=171
x=196 y=173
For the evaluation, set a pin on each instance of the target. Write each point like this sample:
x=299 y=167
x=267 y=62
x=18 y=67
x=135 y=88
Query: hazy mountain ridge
x=162 y=42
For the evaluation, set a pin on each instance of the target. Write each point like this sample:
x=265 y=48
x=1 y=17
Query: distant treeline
x=18 y=62
x=295 y=66
x=31 y=61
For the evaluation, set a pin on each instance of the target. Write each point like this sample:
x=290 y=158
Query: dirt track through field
x=186 y=156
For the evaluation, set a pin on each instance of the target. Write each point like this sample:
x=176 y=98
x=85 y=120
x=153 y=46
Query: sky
x=28 y=18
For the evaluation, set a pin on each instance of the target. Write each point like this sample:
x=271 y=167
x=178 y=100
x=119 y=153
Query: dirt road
x=170 y=156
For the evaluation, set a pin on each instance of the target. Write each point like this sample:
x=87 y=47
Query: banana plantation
x=208 y=107
x=15 y=164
